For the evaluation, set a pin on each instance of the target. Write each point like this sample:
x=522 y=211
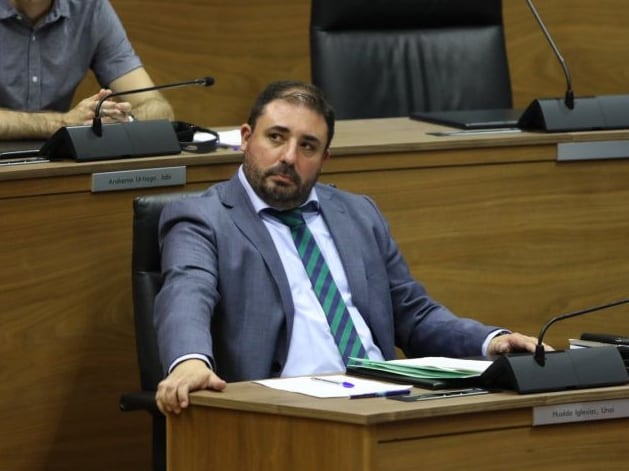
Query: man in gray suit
x=237 y=302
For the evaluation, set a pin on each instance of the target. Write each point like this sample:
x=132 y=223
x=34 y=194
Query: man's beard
x=276 y=194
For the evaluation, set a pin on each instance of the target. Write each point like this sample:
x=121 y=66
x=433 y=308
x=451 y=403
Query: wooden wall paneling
x=591 y=36
x=244 y=45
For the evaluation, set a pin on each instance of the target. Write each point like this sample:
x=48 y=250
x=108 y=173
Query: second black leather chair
x=383 y=58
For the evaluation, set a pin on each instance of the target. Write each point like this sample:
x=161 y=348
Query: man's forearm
x=42 y=125
x=153 y=108
x=24 y=125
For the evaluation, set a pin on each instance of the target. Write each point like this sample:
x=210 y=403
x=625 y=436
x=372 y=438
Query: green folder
x=420 y=372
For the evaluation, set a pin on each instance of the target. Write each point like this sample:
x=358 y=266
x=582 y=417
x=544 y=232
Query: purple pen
x=345 y=384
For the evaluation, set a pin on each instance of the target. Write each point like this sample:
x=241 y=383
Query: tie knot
x=292 y=218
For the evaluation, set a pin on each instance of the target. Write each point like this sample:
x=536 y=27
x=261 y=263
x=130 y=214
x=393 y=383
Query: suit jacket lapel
x=250 y=224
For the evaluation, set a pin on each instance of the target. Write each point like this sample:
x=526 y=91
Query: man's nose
x=290 y=152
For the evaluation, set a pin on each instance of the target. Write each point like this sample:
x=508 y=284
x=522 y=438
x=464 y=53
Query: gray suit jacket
x=226 y=295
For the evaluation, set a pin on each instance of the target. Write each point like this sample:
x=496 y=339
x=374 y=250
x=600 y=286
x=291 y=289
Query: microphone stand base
x=567 y=369
x=118 y=140
x=589 y=114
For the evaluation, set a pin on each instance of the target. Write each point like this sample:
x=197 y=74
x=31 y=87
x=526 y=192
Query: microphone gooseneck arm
x=540 y=354
x=569 y=98
x=97 y=125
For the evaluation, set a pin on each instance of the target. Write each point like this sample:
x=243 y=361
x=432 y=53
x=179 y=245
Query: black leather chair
x=383 y=58
x=146 y=282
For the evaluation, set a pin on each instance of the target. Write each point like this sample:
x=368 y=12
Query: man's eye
x=309 y=146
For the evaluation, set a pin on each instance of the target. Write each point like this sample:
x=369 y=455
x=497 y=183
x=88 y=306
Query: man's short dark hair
x=294 y=91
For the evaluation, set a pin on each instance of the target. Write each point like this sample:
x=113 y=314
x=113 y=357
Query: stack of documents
x=431 y=372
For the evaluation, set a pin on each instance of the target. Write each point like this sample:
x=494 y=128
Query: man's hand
x=110 y=112
x=190 y=375
x=514 y=342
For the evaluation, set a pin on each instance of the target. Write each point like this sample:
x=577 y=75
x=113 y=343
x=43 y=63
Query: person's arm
x=43 y=124
x=24 y=125
x=146 y=105
x=186 y=301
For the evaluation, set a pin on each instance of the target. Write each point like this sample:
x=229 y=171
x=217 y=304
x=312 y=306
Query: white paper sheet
x=319 y=386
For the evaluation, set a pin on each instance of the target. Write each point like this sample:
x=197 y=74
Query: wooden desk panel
x=249 y=426
x=493 y=226
x=560 y=447
x=241 y=441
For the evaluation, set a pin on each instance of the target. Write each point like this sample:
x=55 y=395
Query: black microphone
x=559 y=369
x=540 y=353
x=139 y=138
x=570 y=114
x=569 y=98
x=97 y=125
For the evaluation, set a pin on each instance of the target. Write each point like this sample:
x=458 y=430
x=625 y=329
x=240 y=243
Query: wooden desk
x=250 y=426
x=494 y=226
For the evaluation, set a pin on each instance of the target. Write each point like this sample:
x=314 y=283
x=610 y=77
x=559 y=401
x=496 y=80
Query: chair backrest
x=147 y=281
x=383 y=58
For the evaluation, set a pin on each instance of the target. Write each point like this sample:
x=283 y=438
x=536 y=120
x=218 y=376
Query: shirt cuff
x=190 y=356
x=491 y=336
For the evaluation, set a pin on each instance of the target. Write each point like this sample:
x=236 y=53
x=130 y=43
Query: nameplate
x=143 y=178
x=568 y=151
x=581 y=412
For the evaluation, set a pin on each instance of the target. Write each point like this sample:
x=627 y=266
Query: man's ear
x=245 y=134
x=326 y=154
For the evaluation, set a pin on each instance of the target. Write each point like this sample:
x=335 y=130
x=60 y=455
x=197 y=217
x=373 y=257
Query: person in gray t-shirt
x=47 y=47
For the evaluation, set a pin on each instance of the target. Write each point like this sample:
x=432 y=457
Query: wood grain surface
x=245 y=44
x=506 y=243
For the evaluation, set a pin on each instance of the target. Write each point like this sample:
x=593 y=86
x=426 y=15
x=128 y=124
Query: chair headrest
x=333 y=15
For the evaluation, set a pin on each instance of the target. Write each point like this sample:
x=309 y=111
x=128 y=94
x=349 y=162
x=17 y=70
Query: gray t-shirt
x=41 y=67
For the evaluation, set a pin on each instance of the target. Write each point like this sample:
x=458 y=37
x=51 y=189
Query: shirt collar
x=7 y=10
x=61 y=8
x=258 y=204
x=58 y=9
